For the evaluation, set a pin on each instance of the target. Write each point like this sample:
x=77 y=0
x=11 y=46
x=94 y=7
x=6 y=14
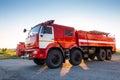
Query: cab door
x=46 y=36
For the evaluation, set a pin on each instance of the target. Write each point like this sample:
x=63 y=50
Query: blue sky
x=15 y=15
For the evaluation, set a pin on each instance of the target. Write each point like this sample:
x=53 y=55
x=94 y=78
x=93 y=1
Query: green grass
x=117 y=53
x=8 y=54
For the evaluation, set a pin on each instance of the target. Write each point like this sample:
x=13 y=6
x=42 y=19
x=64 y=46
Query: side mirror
x=24 y=30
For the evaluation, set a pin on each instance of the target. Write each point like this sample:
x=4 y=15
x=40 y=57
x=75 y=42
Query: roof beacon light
x=50 y=21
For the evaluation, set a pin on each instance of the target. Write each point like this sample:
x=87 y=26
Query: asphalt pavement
x=22 y=69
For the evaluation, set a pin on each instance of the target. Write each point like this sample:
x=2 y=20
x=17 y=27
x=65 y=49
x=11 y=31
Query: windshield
x=34 y=30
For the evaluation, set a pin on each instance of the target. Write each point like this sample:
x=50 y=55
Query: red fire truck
x=52 y=44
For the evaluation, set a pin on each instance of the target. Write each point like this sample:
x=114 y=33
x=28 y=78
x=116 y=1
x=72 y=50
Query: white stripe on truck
x=94 y=41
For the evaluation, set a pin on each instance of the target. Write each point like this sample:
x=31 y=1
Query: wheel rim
x=103 y=55
x=77 y=57
x=55 y=59
x=109 y=56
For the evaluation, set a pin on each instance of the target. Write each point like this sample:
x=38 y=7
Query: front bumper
x=35 y=53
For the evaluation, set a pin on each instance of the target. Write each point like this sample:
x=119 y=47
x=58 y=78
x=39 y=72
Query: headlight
x=34 y=52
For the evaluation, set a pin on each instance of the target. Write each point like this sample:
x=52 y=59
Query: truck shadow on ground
x=67 y=70
x=27 y=70
x=61 y=72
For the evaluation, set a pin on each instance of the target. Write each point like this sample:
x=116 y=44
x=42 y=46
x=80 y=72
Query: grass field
x=8 y=54
x=117 y=52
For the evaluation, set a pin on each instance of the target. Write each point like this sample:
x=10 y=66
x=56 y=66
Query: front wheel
x=54 y=59
x=75 y=57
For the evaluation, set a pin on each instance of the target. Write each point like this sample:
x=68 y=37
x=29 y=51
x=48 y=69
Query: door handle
x=41 y=35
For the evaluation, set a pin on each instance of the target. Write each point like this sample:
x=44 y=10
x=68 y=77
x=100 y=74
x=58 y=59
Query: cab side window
x=68 y=33
x=47 y=30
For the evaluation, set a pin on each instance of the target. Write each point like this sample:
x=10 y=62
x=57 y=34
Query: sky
x=15 y=15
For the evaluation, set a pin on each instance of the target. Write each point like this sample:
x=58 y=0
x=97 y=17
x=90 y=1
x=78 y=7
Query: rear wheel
x=39 y=61
x=108 y=54
x=101 y=55
x=75 y=57
x=54 y=59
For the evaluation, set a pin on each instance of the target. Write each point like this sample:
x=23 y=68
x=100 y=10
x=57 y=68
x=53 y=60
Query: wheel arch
x=51 y=46
x=77 y=49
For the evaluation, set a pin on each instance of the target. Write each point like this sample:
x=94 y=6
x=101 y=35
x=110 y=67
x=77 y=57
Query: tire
x=39 y=61
x=75 y=57
x=54 y=59
x=108 y=54
x=92 y=56
x=101 y=55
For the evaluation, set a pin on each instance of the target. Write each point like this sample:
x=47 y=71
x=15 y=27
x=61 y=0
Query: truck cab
x=39 y=38
x=51 y=44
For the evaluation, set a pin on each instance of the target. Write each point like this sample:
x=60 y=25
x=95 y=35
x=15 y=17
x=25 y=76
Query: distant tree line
x=3 y=50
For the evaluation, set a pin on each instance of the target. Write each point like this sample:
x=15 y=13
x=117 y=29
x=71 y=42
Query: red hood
x=32 y=42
